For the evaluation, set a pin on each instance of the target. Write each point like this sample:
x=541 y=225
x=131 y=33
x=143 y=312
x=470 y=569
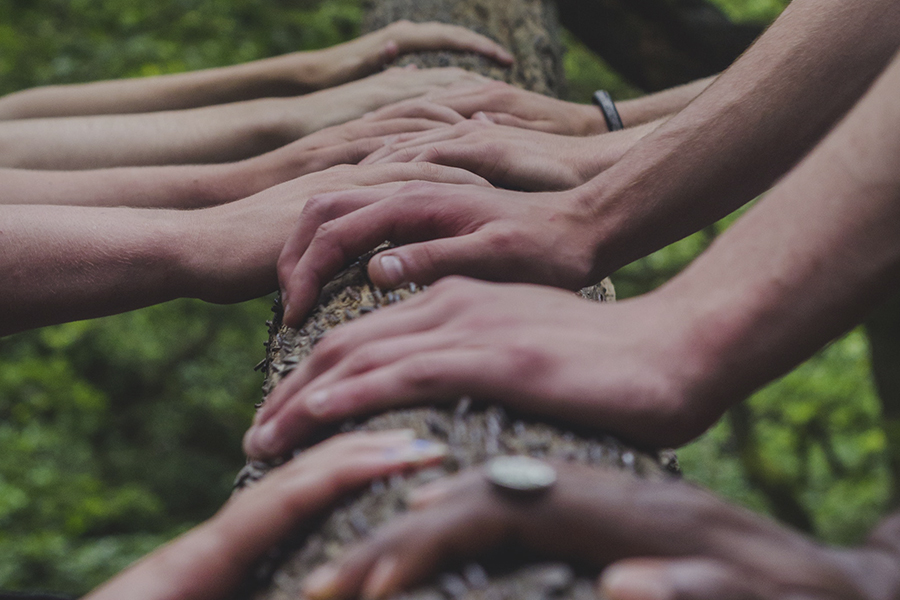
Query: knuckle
x=503 y=240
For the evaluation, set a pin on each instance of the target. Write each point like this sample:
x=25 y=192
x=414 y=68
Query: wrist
x=591 y=119
x=228 y=253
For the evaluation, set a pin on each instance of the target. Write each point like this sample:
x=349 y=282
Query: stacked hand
x=366 y=54
x=509 y=156
x=212 y=560
x=628 y=368
x=657 y=540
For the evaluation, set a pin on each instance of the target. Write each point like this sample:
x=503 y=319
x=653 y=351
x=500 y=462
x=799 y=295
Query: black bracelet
x=608 y=108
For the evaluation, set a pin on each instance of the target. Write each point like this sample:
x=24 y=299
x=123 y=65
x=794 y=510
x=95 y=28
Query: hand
x=682 y=543
x=347 y=143
x=480 y=232
x=368 y=53
x=507 y=156
x=629 y=368
x=332 y=106
x=211 y=561
x=229 y=253
x=505 y=104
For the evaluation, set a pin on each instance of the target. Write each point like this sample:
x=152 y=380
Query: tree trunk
x=473 y=430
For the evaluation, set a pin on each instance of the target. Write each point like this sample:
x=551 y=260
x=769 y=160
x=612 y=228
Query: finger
x=299 y=287
x=471 y=255
x=413 y=316
x=324 y=243
x=440 y=36
x=500 y=118
x=411 y=548
x=682 y=579
x=435 y=376
x=262 y=514
x=416 y=108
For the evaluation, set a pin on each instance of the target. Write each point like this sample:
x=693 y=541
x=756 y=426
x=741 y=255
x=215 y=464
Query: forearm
x=752 y=124
x=661 y=104
x=181 y=186
x=825 y=252
x=204 y=135
x=67 y=263
x=286 y=75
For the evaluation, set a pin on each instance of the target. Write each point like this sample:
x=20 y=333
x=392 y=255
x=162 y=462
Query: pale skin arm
x=63 y=263
x=198 y=186
x=211 y=561
x=729 y=145
x=802 y=267
x=288 y=75
x=513 y=157
x=212 y=134
x=652 y=540
x=504 y=104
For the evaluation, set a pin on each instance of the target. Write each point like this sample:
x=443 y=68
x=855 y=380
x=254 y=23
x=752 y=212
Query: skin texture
x=701 y=547
x=512 y=157
x=505 y=104
x=210 y=561
x=287 y=75
x=63 y=263
x=802 y=267
x=749 y=127
x=198 y=186
x=209 y=134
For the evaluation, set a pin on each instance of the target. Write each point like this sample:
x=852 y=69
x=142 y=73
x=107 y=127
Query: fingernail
x=481 y=116
x=393 y=269
x=416 y=451
x=635 y=583
x=317 y=403
x=321 y=583
x=381 y=580
x=264 y=439
x=428 y=494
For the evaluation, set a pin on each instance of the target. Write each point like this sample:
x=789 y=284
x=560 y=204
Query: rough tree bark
x=473 y=430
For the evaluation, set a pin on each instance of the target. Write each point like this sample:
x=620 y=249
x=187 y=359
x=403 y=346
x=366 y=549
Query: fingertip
x=482 y=116
x=502 y=55
x=387 y=271
x=382 y=580
x=261 y=440
x=635 y=582
x=322 y=584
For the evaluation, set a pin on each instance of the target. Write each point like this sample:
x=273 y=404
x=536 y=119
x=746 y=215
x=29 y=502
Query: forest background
x=117 y=434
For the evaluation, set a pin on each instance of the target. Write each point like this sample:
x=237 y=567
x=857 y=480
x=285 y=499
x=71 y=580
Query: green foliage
x=118 y=434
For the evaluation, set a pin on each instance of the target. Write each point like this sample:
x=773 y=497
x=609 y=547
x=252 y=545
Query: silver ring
x=521 y=474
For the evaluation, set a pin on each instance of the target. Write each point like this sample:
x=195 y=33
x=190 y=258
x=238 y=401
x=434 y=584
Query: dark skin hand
x=653 y=540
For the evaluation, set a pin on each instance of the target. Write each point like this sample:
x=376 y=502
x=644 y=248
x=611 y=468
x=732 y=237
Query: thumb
x=682 y=579
x=426 y=262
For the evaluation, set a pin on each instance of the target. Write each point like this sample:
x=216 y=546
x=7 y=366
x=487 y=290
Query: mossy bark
x=475 y=431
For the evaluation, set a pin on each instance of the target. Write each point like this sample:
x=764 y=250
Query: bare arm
x=222 y=133
x=746 y=130
x=804 y=265
x=63 y=263
x=287 y=75
x=198 y=186
x=729 y=145
x=211 y=561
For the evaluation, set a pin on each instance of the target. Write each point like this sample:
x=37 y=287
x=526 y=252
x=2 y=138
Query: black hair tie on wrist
x=608 y=108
